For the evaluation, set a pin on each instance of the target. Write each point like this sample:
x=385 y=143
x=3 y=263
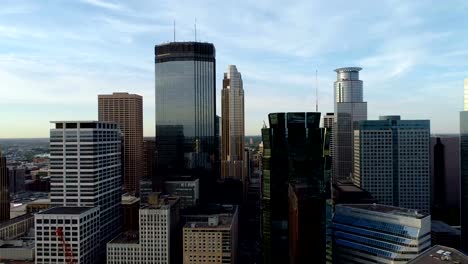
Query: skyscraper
x=185 y=109
x=127 y=111
x=349 y=108
x=392 y=161
x=85 y=170
x=233 y=133
x=293 y=153
x=4 y=194
x=328 y=123
x=464 y=170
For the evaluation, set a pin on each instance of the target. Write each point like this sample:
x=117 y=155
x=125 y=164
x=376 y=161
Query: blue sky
x=57 y=56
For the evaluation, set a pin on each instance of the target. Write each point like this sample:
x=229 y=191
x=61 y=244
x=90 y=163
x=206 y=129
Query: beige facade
x=232 y=120
x=16 y=227
x=211 y=241
x=127 y=111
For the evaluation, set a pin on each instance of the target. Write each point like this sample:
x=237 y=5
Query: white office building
x=372 y=233
x=65 y=234
x=155 y=241
x=85 y=170
x=392 y=161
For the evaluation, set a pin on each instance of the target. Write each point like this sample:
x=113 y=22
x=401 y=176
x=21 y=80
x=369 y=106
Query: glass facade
x=464 y=178
x=185 y=108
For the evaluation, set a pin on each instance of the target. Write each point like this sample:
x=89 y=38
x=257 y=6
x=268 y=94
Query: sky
x=57 y=56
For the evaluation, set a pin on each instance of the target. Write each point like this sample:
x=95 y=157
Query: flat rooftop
x=225 y=221
x=66 y=210
x=441 y=227
x=15 y=220
x=440 y=255
x=387 y=209
x=129 y=237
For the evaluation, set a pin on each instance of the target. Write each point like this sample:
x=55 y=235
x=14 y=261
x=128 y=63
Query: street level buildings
x=126 y=110
x=349 y=108
x=376 y=233
x=392 y=161
x=233 y=131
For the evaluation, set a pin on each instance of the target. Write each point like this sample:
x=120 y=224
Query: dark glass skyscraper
x=464 y=171
x=293 y=155
x=185 y=109
x=4 y=194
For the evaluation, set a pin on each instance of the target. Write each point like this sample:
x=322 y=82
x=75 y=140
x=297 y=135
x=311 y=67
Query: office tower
x=233 y=132
x=67 y=235
x=149 y=158
x=293 y=153
x=464 y=171
x=126 y=110
x=156 y=241
x=440 y=254
x=211 y=238
x=376 y=233
x=187 y=189
x=4 y=194
x=85 y=170
x=17 y=179
x=305 y=244
x=444 y=235
x=391 y=161
x=448 y=166
x=130 y=206
x=328 y=123
x=349 y=108
x=186 y=109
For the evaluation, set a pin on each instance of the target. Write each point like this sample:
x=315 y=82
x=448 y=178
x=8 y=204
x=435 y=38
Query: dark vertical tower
x=186 y=109
x=4 y=194
x=439 y=180
x=464 y=171
x=293 y=155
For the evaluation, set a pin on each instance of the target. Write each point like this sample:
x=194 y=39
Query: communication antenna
x=195 y=29
x=174 y=30
x=316 y=91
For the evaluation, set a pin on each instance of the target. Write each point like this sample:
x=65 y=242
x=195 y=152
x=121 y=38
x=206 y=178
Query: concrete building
x=187 y=189
x=392 y=161
x=74 y=230
x=441 y=255
x=17 y=179
x=156 y=241
x=17 y=250
x=4 y=194
x=85 y=168
x=464 y=171
x=379 y=234
x=328 y=123
x=37 y=205
x=126 y=110
x=349 y=108
x=16 y=227
x=211 y=238
x=233 y=131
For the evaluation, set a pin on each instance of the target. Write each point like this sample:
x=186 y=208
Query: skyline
x=411 y=53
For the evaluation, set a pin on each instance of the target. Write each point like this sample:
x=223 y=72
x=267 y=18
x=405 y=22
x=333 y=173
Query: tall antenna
x=174 y=30
x=316 y=91
x=195 y=29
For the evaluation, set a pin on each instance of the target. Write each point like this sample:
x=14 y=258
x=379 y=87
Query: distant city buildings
x=464 y=171
x=378 y=234
x=349 y=108
x=17 y=179
x=157 y=237
x=85 y=158
x=68 y=235
x=293 y=153
x=4 y=193
x=126 y=110
x=233 y=131
x=186 y=109
x=211 y=238
x=392 y=161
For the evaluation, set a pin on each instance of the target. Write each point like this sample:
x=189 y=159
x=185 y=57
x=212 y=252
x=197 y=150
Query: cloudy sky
x=57 y=56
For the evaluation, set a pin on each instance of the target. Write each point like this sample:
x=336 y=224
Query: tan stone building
x=211 y=238
x=232 y=120
x=127 y=111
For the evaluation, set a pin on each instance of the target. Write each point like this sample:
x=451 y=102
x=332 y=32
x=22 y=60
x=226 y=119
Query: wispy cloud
x=104 y=4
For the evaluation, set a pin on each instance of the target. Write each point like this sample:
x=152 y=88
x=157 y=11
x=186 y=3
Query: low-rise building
x=16 y=227
x=17 y=250
x=441 y=255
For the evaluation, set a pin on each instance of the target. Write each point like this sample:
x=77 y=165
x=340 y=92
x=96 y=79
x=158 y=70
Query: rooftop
x=66 y=210
x=387 y=209
x=348 y=69
x=129 y=237
x=15 y=220
x=440 y=255
x=441 y=227
x=129 y=199
x=223 y=221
